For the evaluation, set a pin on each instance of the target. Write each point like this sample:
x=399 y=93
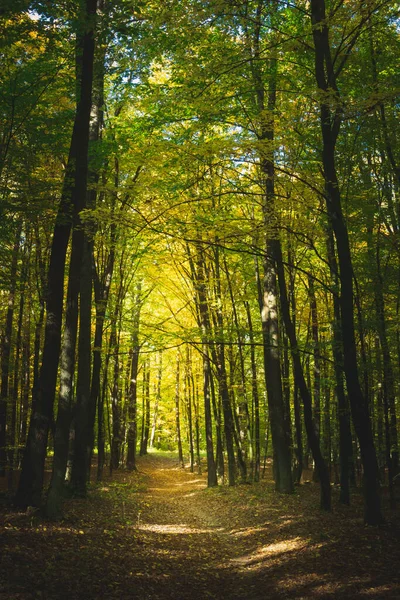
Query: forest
x=200 y=251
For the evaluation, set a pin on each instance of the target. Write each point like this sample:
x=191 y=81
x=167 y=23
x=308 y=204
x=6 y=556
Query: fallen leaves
x=162 y=534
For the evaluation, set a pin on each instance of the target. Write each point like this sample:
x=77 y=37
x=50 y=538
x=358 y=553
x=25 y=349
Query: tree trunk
x=16 y=374
x=345 y=441
x=196 y=405
x=330 y=124
x=82 y=453
x=245 y=420
x=146 y=410
x=317 y=362
x=157 y=401
x=72 y=199
x=67 y=362
x=222 y=377
x=132 y=394
x=116 y=439
x=177 y=411
x=265 y=104
x=198 y=279
x=312 y=435
x=189 y=404
x=256 y=400
x=6 y=353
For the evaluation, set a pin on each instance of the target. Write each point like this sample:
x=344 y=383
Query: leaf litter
x=161 y=534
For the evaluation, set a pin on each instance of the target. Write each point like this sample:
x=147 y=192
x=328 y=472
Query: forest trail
x=160 y=534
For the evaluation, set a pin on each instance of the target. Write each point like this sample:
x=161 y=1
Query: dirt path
x=161 y=534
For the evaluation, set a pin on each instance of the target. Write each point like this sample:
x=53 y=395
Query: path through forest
x=161 y=534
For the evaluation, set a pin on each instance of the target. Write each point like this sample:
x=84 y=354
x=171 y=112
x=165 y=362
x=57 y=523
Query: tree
x=330 y=118
x=72 y=202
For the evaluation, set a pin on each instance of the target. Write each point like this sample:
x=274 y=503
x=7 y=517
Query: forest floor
x=161 y=534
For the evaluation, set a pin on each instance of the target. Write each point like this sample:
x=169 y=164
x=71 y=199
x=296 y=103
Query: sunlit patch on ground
x=174 y=529
x=382 y=589
x=257 y=559
x=249 y=531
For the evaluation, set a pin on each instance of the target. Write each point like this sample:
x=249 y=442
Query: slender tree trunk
x=198 y=279
x=265 y=104
x=327 y=436
x=16 y=374
x=196 y=405
x=345 y=441
x=116 y=440
x=157 y=401
x=222 y=377
x=216 y=406
x=146 y=411
x=72 y=200
x=317 y=361
x=269 y=313
x=330 y=124
x=189 y=405
x=177 y=411
x=101 y=290
x=26 y=374
x=132 y=408
x=256 y=400
x=67 y=363
x=244 y=405
x=239 y=434
x=312 y=435
x=132 y=394
x=298 y=469
x=101 y=434
x=6 y=353
x=82 y=453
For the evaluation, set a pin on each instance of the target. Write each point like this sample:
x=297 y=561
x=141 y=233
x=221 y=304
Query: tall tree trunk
x=312 y=435
x=198 y=279
x=256 y=400
x=330 y=119
x=72 y=200
x=101 y=289
x=6 y=353
x=196 y=405
x=146 y=410
x=101 y=434
x=317 y=361
x=26 y=382
x=298 y=469
x=67 y=363
x=157 y=401
x=265 y=104
x=269 y=313
x=216 y=406
x=189 y=404
x=177 y=411
x=16 y=373
x=132 y=394
x=243 y=405
x=116 y=439
x=345 y=441
x=82 y=453
x=222 y=377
